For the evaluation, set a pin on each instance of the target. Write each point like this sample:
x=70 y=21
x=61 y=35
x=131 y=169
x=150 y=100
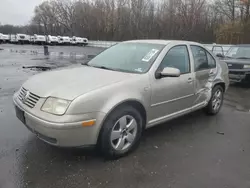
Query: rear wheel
x=216 y=101
x=121 y=132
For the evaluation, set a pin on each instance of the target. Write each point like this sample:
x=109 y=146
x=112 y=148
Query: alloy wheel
x=217 y=100
x=123 y=133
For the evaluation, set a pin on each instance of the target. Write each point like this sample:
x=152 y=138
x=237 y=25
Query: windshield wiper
x=243 y=58
x=103 y=67
x=85 y=63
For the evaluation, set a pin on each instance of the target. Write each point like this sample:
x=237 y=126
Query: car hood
x=71 y=83
x=237 y=61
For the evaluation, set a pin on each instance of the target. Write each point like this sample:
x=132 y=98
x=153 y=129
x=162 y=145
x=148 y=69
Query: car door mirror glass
x=170 y=72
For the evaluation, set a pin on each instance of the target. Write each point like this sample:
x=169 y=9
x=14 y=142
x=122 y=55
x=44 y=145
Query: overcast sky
x=17 y=12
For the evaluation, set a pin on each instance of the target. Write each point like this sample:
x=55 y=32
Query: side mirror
x=220 y=55
x=168 y=72
x=88 y=58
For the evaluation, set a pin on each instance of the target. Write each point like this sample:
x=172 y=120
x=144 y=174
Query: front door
x=205 y=71
x=171 y=95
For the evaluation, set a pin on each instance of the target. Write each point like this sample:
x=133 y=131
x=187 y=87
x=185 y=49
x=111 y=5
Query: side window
x=177 y=57
x=217 y=50
x=200 y=58
x=211 y=61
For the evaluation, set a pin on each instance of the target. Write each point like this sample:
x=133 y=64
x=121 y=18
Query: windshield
x=128 y=57
x=239 y=52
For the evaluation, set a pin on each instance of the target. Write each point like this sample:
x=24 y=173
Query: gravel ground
x=193 y=151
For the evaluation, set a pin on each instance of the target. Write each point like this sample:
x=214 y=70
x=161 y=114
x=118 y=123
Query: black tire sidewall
x=210 y=109
x=107 y=127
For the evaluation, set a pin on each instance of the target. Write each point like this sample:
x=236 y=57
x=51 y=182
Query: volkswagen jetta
x=127 y=88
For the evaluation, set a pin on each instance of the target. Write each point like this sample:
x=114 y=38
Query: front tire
x=121 y=132
x=216 y=101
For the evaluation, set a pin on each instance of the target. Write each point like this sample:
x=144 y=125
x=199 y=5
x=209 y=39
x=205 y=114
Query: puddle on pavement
x=51 y=61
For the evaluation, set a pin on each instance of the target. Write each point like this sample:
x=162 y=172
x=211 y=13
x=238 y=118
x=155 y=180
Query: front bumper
x=239 y=75
x=70 y=134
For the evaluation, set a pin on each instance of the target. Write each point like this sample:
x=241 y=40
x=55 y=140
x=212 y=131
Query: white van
x=79 y=41
x=5 y=38
x=39 y=39
x=12 y=38
x=85 y=41
x=64 y=40
x=32 y=39
x=52 y=40
x=1 y=40
x=21 y=39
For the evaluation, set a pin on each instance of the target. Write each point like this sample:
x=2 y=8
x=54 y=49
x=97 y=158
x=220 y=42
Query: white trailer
x=12 y=38
x=52 y=40
x=5 y=38
x=79 y=41
x=85 y=41
x=1 y=40
x=64 y=40
x=20 y=38
x=39 y=39
x=32 y=39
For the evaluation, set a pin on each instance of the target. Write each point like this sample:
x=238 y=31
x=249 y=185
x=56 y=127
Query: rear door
x=205 y=72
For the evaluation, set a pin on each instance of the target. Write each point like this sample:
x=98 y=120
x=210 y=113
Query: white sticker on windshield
x=149 y=55
x=138 y=70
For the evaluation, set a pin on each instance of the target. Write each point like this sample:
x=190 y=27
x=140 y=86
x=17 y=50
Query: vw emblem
x=26 y=96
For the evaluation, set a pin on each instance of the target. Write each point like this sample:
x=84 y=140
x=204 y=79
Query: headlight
x=246 y=66
x=55 y=106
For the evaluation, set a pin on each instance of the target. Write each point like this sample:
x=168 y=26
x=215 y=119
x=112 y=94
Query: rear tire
x=216 y=101
x=121 y=132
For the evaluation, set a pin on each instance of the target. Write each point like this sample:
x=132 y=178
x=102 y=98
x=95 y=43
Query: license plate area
x=20 y=115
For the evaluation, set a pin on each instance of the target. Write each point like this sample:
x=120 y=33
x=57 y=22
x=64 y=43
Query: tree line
x=198 y=20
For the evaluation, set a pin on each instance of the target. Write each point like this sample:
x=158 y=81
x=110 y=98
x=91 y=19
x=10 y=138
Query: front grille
x=235 y=66
x=28 y=98
x=237 y=73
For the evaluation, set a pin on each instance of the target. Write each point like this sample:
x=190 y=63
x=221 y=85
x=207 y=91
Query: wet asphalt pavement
x=193 y=151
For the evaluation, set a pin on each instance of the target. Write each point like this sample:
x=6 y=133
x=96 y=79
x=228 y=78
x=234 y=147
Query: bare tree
x=133 y=19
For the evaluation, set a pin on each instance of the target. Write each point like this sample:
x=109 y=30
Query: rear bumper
x=70 y=134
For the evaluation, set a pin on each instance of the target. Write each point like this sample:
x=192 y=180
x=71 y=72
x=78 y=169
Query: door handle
x=190 y=80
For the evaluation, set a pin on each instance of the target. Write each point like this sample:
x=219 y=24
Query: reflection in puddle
x=52 y=60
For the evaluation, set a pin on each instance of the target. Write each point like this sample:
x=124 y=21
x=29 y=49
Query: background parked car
x=238 y=61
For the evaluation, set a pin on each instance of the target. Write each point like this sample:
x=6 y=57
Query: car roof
x=164 y=42
x=242 y=45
